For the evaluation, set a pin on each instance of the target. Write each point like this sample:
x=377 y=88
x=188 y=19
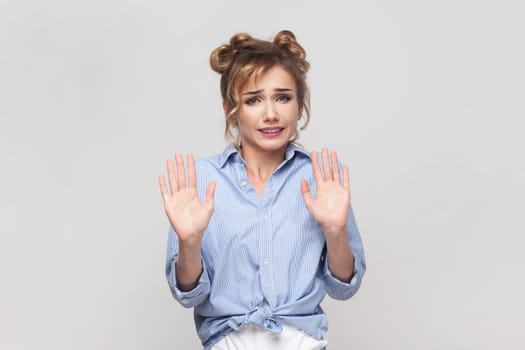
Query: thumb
x=210 y=192
x=307 y=196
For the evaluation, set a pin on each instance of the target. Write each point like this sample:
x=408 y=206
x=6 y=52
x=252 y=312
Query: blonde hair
x=245 y=57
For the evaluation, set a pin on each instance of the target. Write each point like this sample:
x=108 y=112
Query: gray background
x=423 y=99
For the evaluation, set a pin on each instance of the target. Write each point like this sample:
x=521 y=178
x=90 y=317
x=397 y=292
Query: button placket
x=266 y=240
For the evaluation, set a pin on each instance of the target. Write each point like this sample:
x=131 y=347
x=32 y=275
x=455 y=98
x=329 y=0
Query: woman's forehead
x=275 y=77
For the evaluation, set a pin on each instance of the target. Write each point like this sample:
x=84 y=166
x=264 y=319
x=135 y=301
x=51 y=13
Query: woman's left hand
x=332 y=199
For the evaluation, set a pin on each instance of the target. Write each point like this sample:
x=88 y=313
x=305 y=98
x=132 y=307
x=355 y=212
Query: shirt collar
x=231 y=153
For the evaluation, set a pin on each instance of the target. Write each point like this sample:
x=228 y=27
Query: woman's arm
x=330 y=209
x=188 y=216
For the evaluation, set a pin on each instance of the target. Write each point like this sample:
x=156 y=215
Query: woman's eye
x=251 y=101
x=283 y=98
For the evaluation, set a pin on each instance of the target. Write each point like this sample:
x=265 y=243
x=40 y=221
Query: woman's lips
x=271 y=132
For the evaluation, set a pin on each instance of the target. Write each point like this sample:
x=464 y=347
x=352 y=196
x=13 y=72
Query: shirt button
x=244 y=183
x=265 y=216
x=266 y=263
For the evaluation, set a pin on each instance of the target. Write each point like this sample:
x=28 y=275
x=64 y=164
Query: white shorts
x=255 y=338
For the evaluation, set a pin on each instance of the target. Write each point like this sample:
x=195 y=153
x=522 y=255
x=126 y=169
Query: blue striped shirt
x=264 y=259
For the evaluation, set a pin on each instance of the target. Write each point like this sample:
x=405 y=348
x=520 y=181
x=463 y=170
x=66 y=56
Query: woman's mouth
x=271 y=132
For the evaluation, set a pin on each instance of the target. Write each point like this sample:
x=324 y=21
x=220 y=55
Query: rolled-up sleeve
x=336 y=288
x=192 y=297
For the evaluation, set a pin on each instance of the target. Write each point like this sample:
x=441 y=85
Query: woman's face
x=268 y=112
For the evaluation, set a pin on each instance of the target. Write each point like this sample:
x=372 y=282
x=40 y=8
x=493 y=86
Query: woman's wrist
x=189 y=264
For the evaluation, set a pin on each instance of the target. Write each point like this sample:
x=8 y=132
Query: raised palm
x=186 y=213
x=332 y=199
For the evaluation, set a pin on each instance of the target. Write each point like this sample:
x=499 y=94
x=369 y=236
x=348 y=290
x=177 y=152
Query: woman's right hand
x=186 y=213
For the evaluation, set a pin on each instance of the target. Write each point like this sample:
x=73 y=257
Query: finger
x=192 y=174
x=307 y=195
x=346 y=178
x=335 y=167
x=181 y=175
x=163 y=189
x=172 y=179
x=327 y=171
x=316 y=168
x=210 y=192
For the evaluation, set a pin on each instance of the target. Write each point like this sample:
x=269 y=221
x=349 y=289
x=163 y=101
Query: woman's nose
x=270 y=112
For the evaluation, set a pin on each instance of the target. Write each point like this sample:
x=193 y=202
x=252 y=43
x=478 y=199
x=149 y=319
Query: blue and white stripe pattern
x=264 y=258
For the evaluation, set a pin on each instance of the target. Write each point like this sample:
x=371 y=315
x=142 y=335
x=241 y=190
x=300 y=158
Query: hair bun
x=221 y=59
x=239 y=41
x=286 y=40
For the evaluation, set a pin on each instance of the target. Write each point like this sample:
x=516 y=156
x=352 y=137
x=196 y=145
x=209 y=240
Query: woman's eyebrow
x=255 y=92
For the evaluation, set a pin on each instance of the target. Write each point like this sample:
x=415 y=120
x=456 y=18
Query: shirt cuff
x=194 y=296
x=338 y=289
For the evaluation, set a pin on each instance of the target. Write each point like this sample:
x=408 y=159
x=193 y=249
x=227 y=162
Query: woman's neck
x=261 y=165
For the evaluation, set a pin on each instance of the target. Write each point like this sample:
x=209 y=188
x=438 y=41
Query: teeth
x=271 y=131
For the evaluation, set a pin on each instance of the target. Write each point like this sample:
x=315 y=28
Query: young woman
x=267 y=230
